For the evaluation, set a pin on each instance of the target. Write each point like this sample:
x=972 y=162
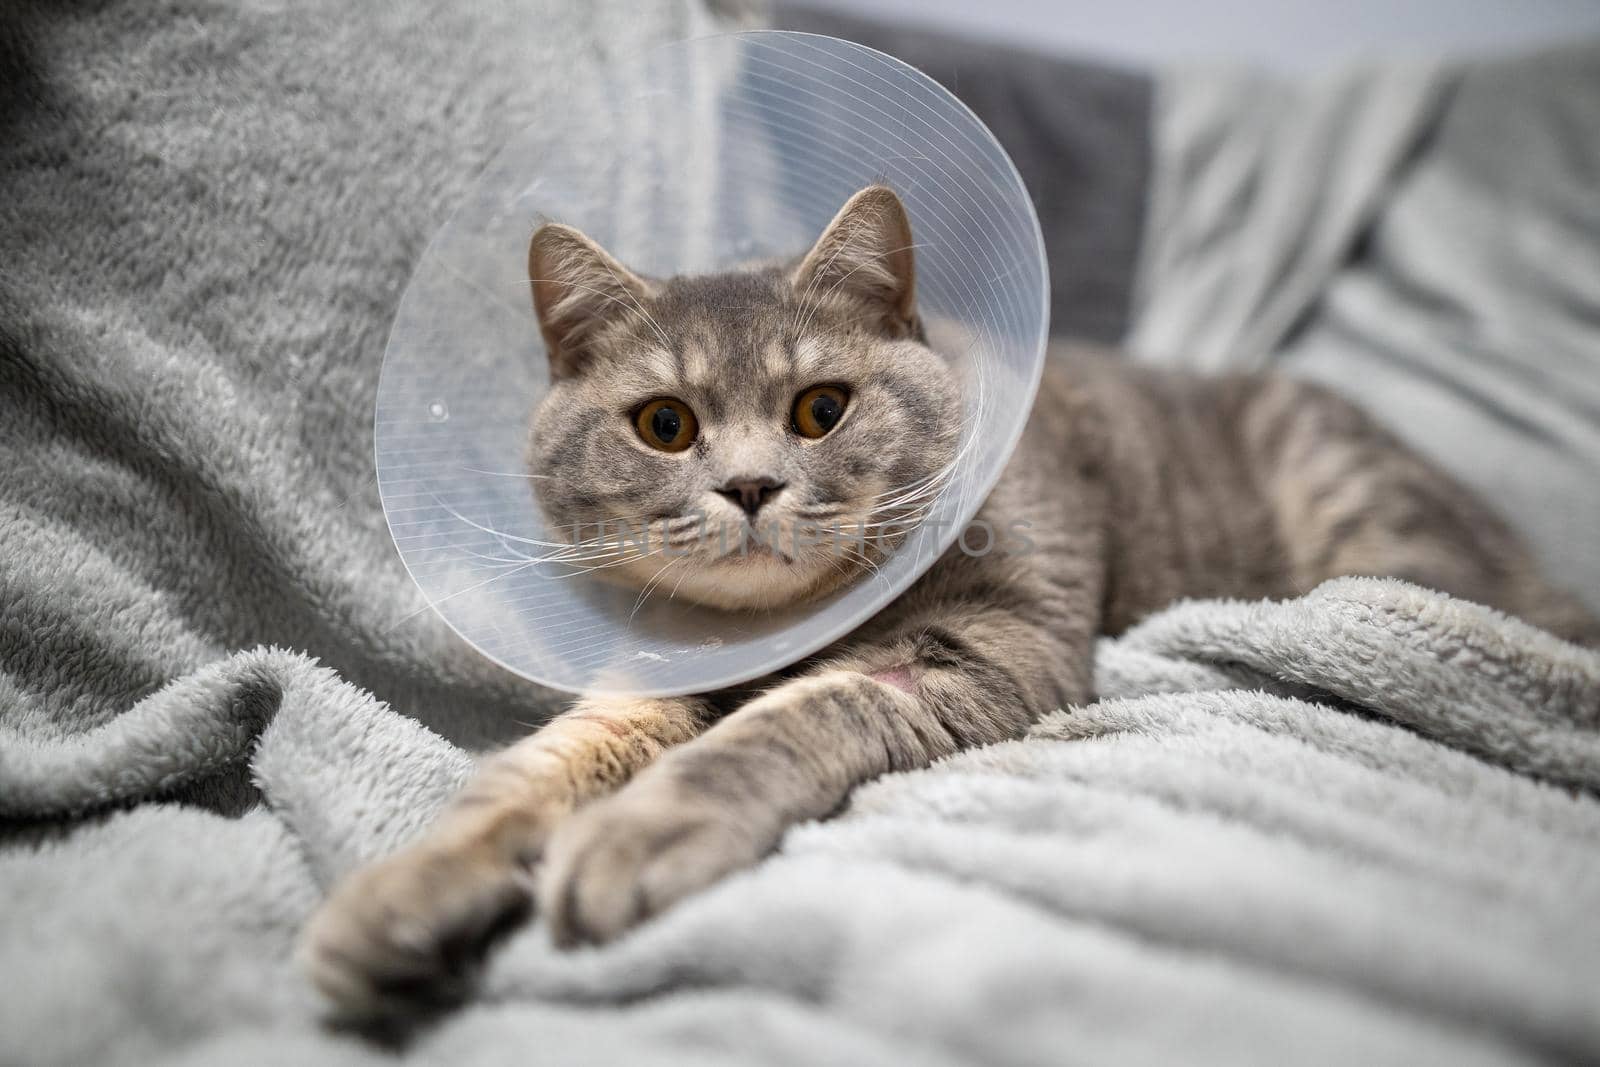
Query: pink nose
x=751 y=493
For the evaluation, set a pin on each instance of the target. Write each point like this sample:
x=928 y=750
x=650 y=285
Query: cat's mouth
x=753 y=547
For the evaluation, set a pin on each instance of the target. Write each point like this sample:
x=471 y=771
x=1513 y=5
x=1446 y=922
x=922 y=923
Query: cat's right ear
x=577 y=288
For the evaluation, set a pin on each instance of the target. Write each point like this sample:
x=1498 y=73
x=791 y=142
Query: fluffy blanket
x=1292 y=832
x=1360 y=826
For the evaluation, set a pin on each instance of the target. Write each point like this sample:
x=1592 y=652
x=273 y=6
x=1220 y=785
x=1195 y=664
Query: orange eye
x=819 y=409
x=667 y=424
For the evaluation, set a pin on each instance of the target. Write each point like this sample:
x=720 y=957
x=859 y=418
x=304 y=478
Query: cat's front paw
x=409 y=934
x=633 y=855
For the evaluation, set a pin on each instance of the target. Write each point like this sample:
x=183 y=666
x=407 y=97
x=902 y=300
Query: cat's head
x=746 y=440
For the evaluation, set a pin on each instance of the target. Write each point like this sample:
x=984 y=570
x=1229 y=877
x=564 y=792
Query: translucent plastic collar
x=698 y=156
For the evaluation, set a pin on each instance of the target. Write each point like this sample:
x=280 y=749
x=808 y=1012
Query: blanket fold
x=1457 y=672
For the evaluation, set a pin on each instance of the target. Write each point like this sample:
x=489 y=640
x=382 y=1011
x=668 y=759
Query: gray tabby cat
x=775 y=398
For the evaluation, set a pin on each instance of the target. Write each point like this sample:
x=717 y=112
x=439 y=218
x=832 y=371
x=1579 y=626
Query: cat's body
x=1251 y=486
x=1135 y=488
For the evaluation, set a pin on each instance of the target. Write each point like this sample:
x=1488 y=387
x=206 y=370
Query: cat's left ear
x=866 y=252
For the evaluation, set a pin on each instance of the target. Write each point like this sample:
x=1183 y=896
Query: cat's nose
x=751 y=493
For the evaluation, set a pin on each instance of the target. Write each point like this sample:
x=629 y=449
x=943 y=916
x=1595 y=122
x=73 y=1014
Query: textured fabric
x=209 y=214
x=1261 y=192
x=1206 y=867
x=1079 y=133
x=1424 y=239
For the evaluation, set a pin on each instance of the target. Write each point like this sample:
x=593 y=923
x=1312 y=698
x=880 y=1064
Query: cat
x=782 y=395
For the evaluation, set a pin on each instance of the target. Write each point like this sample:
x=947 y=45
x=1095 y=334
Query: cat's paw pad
x=409 y=934
x=623 y=860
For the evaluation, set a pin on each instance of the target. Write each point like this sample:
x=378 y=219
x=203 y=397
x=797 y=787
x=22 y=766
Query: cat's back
x=1143 y=395
x=1197 y=428
x=1176 y=456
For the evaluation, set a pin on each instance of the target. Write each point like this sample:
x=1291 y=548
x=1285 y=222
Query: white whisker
x=502 y=474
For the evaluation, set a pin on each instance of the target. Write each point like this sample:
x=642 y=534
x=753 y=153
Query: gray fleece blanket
x=1356 y=827
x=1288 y=833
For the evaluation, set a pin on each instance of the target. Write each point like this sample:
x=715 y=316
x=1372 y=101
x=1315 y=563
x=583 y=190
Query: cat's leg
x=965 y=676
x=1352 y=499
x=411 y=929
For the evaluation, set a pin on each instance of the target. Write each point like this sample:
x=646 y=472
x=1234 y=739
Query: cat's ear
x=577 y=288
x=866 y=252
